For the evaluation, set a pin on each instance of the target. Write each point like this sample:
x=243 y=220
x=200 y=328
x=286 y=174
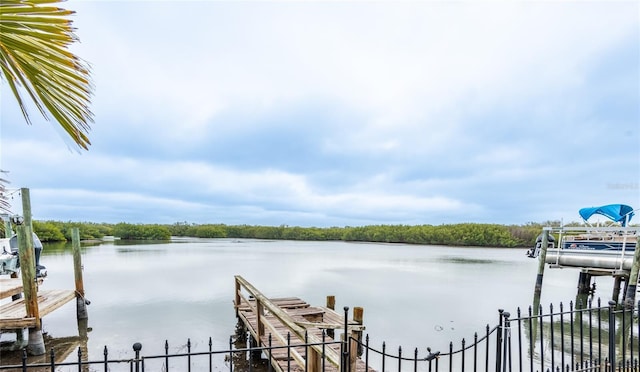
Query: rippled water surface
x=413 y=296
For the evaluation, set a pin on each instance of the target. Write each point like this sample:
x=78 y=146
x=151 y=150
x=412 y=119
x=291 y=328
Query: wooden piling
x=26 y=255
x=356 y=338
x=236 y=297
x=630 y=293
x=541 y=261
x=83 y=338
x=28 y=270
x=584 y=283
x=81 y=303
x=331 y=304
x=584 y=289
x=617 y=283
x=255 y=355
x=260 y=315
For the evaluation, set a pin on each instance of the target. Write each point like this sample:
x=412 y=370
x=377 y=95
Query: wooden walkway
x=278 y=317
x=13 y=315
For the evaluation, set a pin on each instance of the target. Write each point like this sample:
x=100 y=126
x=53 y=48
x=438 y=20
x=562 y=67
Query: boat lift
x=612 y=261
x=596 y=250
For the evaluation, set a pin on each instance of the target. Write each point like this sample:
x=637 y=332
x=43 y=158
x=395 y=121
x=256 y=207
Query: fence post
x=506 y=340
x=612 y=336
x=137 y=347
x=499 y=342
x=345 y=342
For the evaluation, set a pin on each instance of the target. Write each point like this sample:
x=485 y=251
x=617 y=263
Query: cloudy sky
x=336 y=113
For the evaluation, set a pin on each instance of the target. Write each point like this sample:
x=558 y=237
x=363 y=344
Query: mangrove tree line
x=464 y=234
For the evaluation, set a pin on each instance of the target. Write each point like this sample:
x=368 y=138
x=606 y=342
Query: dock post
x=541 y=262
x=355 y=350
x=83 y=334
x=260 y=325
x=236 y=297
x=632 y=284
x=617 y=283
x=81 y=302
x=331 y=304
x=26 y=255
x=584 y=287
x=253 y=345
x=584 y=283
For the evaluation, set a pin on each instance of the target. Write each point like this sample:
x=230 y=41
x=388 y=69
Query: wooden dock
x=27 y=312
x=13 y=315
x=305 y=324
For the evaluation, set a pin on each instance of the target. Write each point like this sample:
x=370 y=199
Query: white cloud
x=432 y=108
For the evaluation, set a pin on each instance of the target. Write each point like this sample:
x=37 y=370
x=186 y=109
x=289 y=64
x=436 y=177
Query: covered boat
x=613 y=237
x=9 y=261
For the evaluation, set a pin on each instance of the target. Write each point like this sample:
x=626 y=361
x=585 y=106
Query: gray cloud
x=343 y=114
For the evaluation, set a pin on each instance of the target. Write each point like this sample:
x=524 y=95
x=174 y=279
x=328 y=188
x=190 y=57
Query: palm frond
x=5 y=206
x=34 y=57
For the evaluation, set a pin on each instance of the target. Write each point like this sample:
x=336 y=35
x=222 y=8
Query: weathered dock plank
x=286 y=324
x=10 y=287
x=13 y=315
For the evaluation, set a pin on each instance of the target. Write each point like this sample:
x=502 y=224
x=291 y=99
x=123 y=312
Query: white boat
x=9 y=260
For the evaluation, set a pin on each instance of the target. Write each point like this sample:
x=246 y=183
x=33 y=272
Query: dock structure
x=28 y=302
x=276 y=323
x=13 y=315
x=621 y=264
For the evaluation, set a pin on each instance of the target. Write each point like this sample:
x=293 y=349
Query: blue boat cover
x=615 y=212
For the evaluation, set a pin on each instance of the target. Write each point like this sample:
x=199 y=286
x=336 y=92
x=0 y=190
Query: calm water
x=413 y=296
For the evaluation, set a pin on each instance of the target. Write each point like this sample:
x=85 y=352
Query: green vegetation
x=54 y=231
x=464 y=234
x=141 y=232
x=467 y=234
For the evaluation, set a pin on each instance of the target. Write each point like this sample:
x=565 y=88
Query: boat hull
x=599 y=245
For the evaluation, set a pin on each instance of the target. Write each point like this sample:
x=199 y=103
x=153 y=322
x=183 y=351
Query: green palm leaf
x=34 y=57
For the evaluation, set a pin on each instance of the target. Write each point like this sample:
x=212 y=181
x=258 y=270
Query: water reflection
x=61 y=348
x=465 y=260
x=580 y=335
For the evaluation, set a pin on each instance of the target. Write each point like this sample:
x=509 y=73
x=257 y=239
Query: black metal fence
x=590 y=338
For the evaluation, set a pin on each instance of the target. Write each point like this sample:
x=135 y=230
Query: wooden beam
x=10 y=287
x=17 y=323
